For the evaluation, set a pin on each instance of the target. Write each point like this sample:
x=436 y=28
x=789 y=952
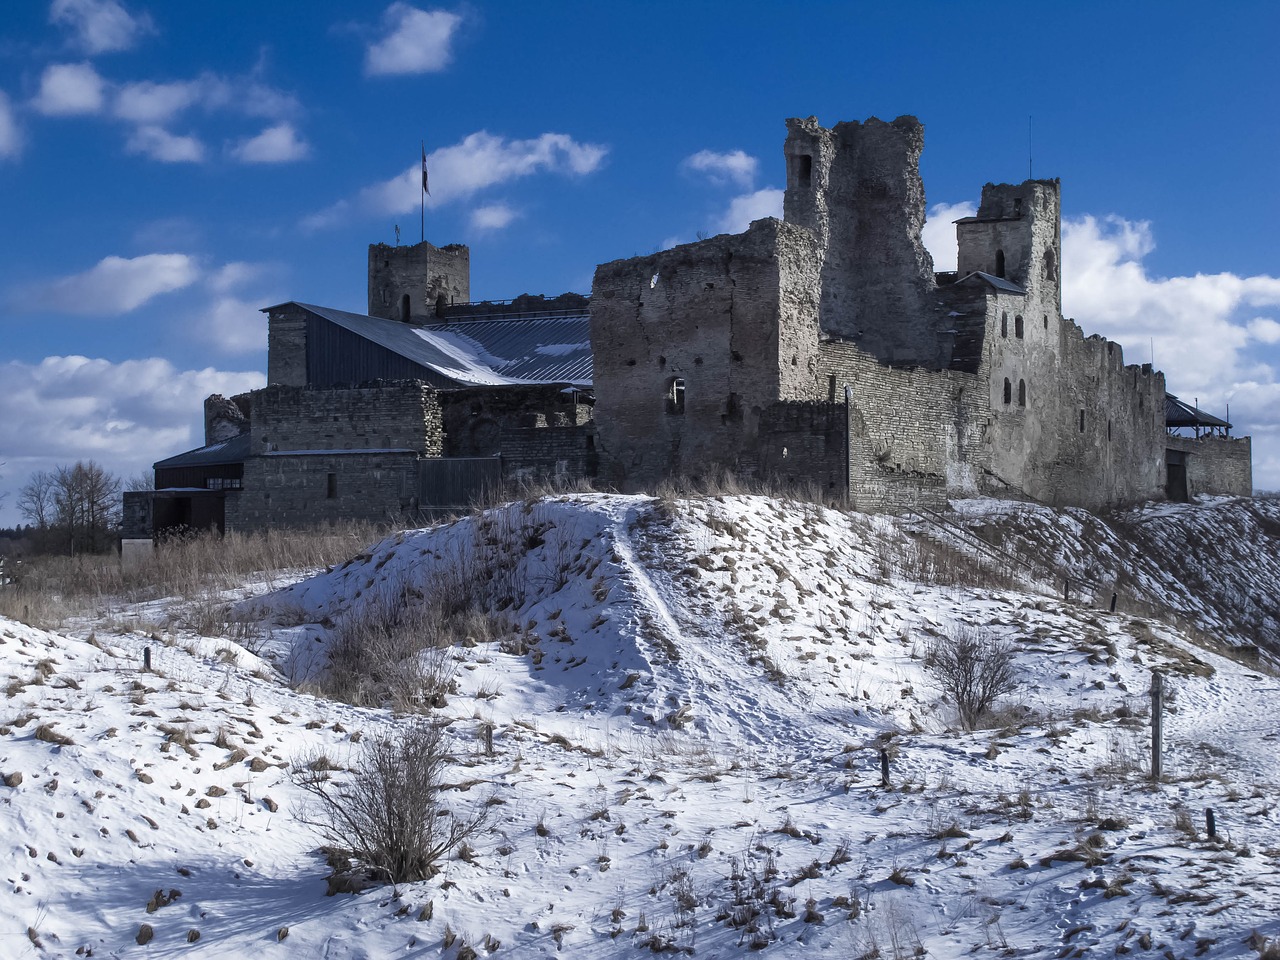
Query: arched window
x=1008 y=391
x=1050 y=270
x=999 y=263
x=1017 y=326
x=1004 y=323
x=405 y=307
x=1022 y=393
x=675 y=396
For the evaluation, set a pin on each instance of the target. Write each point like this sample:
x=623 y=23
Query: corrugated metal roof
x=483 y=352
x=224 y=451
x=1179 y=414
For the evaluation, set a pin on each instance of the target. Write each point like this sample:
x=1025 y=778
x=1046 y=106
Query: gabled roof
x=224 y=451
x=491 y=352
x=1179 y=414
x=1000 y=283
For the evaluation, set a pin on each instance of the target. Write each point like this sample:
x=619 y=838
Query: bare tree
x=35 y=500
x=386 y=813
x=975 y=670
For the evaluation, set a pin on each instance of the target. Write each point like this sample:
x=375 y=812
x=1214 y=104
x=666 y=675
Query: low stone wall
x=1216 y=465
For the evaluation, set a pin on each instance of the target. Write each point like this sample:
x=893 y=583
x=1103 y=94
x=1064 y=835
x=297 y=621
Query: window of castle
x=675 y=396
x=1022 y=393
x=1008 y=391
x=804 y=169
x=1082 y=421
x=1108 y=431
x=999 y=263
x=1017 y=326
x=331 y=486
x=1046 y=321
x=1050 y=268
x=1004 y=323
x=405 y=307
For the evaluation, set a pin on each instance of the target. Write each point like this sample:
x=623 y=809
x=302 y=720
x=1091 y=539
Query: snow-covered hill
x=688 y=701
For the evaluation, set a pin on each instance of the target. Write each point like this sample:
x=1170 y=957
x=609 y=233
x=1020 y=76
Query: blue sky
x=166 y=169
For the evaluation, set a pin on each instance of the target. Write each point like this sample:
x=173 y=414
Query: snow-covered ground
x=688 y=714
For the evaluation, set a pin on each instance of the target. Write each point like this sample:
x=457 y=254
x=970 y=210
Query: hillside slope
x=688 y=708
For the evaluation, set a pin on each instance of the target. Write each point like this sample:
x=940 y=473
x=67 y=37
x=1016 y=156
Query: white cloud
x=278 y=144
x=495 y=216
x=100 y=26
x=751 y=206
x=1264 y=330
x=939 y=233
x=113 y=285
x=148 y=102
x=733 y=167
x=159 y=144
x=458 y=171
x=415 y=41
x=68 y=89
x=235 y=325
x=123 y=415
x=232 y=275
x=10 y=137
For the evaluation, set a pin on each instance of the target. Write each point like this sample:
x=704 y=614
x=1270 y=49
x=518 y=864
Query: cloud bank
x=412 y=41
x=100 y=26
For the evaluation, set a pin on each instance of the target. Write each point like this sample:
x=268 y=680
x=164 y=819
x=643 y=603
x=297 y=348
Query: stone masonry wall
x=1216 y=465
x=303 y=490
x=915 y=434
x=705 y=316
x=431 y=276
x=400 y=415
x=857 y=186
x=287 y=346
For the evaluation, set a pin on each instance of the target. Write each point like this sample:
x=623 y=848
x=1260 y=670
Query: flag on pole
x=425 y=187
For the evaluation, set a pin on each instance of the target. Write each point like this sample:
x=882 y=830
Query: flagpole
x=422 y=194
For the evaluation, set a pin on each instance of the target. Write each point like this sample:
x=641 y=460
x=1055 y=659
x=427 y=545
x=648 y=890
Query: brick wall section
x=391 y=415
x=1216 y=464
x=294 y=490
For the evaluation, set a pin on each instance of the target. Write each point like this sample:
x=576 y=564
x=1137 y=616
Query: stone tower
x=857 y=186
x=1017 y=235
x=412 y=283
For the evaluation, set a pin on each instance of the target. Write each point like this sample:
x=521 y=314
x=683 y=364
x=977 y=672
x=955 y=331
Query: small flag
x=425 y=186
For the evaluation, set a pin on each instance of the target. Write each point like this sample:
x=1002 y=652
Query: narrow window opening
x=1108 y=431
x=999 y=263
x=1082 y=421
x=1022 y=393
x=1050 y=267
x=405 y=306
x=804 y=169
x=1008 y=391
x=331 y=490
x=675 y=396
x=1046 y=321
x=1017 y=326
x=831 y=388
x=1017 y=207
x=1004 y=323
x=1139 y=401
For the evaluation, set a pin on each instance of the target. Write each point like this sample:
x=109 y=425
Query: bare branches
x=975 y=670
x=386 y=812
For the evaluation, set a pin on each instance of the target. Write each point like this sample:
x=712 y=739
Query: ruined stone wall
x=1017 y=235
x=531 y=454
x=430 y=276
x=857 y=186
x=732 y=320
x=223 y=419
x=287 y=346
x=400 y=415
x=477 y=420
x=802 y=443
x=1216 y=465
x=916 y=435
x=304 y=490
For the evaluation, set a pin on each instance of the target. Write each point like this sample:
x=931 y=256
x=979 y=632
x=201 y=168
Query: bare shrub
x=386 y=813
x=975 y=670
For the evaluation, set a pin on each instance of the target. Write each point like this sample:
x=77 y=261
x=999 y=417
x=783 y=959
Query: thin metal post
x=1157 y=725
x=884 y=767
x=146 y=659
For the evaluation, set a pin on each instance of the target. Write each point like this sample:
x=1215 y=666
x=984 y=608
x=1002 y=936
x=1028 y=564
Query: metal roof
x=224 y=451
x=1179 y=414
x=483 y=352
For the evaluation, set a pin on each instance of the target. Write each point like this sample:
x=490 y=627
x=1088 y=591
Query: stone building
x=826 y=350
x=823 y=350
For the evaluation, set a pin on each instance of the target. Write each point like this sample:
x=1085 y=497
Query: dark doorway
x=1175 y=487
